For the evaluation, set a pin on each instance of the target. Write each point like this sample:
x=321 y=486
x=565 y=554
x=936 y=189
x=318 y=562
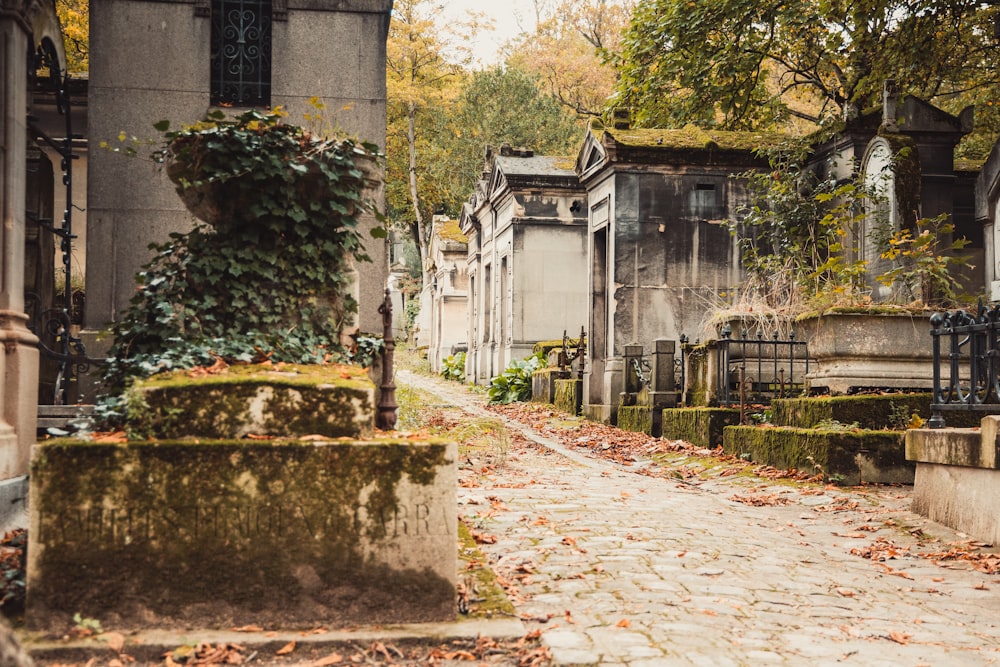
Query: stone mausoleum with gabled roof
x=660 y=251
x=527 y=255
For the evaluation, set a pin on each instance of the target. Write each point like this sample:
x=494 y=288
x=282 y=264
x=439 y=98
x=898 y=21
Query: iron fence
x=966 y=363
x=756 y=371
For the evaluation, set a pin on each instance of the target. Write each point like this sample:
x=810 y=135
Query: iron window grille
x=241 y=53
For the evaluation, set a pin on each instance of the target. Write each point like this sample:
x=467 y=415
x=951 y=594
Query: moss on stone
x=636 y=418
x=568 y=395
x=490 y=596
x=696 y=390
x=291 y=400
x=841 y=456
x=868 y=411
x=217 y=532
x=699 y=426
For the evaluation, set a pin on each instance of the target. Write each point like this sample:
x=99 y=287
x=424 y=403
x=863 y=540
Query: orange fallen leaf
x=624 y=623
x=846 y=592
x=115 y=640
x=248 y=628
x=569 y=541
x=286 y=649
x=900 y=637
x=331 y=659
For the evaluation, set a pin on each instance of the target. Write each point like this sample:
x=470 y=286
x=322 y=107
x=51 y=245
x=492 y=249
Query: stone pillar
x=19 y=356
x=24 y=24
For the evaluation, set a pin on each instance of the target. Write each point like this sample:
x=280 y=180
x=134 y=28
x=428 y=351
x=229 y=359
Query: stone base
x=848 y=457
x=966 y=499
x=636 y=418
x=568 y=395
x=958 y=477
x=699 y=426
x=599 y=412
x=543 y=384
x=217 y=534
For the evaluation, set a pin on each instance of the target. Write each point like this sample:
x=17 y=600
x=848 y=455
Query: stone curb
x=151 y=645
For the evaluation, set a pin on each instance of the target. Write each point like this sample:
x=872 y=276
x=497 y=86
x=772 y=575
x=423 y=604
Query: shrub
x=514 y=384
x=453 y=367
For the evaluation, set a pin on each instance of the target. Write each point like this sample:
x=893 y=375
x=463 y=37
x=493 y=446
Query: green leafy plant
x=453 y=367
x=922 y=271
x=804 y=241
x=266 y=274
x=514 y=384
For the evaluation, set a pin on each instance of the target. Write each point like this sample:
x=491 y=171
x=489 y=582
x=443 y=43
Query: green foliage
x=411 y=312
x=921 y=271
x=744 y=64
x=803 y=240
x=453 y=367
x=514 y=384
x=366 y=349
x=268 y=277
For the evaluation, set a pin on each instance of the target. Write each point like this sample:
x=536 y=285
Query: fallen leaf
x=624 y=623
x=846 y=592
x=331 y=659
x=248 y=628
x=900 y=637
x=115 y=640
x=286 y=649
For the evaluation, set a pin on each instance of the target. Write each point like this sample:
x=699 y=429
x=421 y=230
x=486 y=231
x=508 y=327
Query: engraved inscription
x=222 y=521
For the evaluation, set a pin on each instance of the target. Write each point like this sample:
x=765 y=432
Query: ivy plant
x=265 y=273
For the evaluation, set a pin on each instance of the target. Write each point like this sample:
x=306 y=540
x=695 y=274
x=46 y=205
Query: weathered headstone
x=220 y=533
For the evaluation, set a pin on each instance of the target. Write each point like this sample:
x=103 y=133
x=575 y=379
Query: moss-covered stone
x=696 y=390
x=868 y=411
x=543 y=387
x=329 y=400
x=843 y=456
x=569 y=395
x=699 y=426
x=213 y=534
x=636 y=418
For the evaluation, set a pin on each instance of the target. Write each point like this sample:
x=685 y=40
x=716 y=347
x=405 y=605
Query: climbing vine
x=266 y=272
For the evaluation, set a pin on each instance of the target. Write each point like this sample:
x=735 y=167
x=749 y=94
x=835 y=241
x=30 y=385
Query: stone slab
x=217 y=534
x=960 y=497
x=286 y=401
x=953 y=446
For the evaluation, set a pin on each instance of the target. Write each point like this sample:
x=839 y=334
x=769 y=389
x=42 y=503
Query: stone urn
x=863 y=351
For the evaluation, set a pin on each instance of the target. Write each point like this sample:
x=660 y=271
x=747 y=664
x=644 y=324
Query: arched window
x=241 y=53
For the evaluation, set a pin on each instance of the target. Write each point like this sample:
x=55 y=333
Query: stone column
x=19 y=356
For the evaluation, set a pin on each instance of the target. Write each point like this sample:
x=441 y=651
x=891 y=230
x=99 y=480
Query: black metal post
x=386 y=416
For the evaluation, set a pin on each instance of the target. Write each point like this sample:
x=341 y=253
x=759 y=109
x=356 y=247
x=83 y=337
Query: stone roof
x=449 y=230
x=535 y=165
x=691 y=137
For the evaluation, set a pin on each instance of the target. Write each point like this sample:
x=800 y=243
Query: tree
x=568 y=50
x=74 y=17
x=504 y=105
x=419 y=81
x=735 y=64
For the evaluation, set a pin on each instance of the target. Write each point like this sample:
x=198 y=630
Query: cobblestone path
x=621 y=568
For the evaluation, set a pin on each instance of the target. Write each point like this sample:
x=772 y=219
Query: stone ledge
x=951 y=446
x=286 y=401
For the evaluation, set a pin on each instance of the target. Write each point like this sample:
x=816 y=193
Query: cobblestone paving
x=619 y=568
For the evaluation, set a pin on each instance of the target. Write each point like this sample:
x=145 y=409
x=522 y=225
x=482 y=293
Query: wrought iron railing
x=966 y=350
x=757 y=370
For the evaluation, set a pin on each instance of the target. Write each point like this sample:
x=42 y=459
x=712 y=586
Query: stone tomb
x=216 y=534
